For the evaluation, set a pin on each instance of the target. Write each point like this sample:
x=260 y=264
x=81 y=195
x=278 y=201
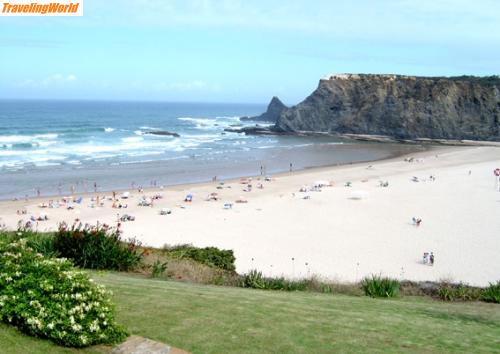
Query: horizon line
x=126 y=100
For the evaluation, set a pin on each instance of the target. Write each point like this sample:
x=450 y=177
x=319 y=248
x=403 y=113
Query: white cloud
x=54 y=80
x=366 y=19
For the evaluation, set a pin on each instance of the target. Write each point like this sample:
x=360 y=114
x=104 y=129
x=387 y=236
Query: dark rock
x=162 y=133
x=400 y=107
x=255 y=130
x=274 y=109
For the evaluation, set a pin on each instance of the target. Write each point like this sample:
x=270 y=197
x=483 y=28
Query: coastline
x=155 y=170
x=330 y=234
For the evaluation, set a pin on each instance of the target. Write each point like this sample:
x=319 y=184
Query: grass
x=211 y=319
x=13 y=342
x=206 y=319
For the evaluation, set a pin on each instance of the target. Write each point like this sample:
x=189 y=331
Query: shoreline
x=330 y=233
x=418 y=149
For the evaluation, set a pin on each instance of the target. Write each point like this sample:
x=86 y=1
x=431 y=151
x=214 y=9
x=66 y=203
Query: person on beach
x=95 y=187
x=426 y=258
x=291 y=167
x=418 y=222
x=431 y=259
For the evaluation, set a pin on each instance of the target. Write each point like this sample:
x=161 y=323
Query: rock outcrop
x=274 y=109
x=403 y=107
x=162 y=133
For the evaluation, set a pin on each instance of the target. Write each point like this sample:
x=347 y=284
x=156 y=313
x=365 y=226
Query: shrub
x=47 y=297
x=492 y=293
x=212 y=256
x=41 y=242
x=445 y=293
x=286 y=284
x=96 y=247
x=254 y=279
x=316 y=284
x=158 y=268
x=378 y=286
x=458 y=292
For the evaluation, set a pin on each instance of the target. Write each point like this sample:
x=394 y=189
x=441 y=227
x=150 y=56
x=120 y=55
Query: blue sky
x=240 y=51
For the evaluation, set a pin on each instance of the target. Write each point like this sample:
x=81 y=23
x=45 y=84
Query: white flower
x=94 y=327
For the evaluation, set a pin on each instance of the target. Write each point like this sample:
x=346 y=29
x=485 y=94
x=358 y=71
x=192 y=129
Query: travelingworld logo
x=42 y=8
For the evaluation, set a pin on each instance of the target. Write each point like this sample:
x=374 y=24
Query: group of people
x=416 y=221
x=428 y=258
x=412 y=159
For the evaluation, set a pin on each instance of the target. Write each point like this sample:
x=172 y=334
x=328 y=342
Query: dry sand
x=331 y=234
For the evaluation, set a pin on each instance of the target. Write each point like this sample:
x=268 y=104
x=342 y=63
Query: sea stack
x=274 y=110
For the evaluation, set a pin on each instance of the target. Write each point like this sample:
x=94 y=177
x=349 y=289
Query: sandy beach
x=337 y=232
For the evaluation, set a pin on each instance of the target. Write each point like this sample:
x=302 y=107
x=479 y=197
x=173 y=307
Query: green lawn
x=209 y=319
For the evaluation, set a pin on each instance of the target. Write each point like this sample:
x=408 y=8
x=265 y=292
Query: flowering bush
x=96 y=247
x=48 y=297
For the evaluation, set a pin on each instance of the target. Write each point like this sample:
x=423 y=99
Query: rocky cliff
x=274 y=109
x=403 y=107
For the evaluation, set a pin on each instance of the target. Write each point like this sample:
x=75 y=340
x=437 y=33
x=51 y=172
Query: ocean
x=55 y=147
